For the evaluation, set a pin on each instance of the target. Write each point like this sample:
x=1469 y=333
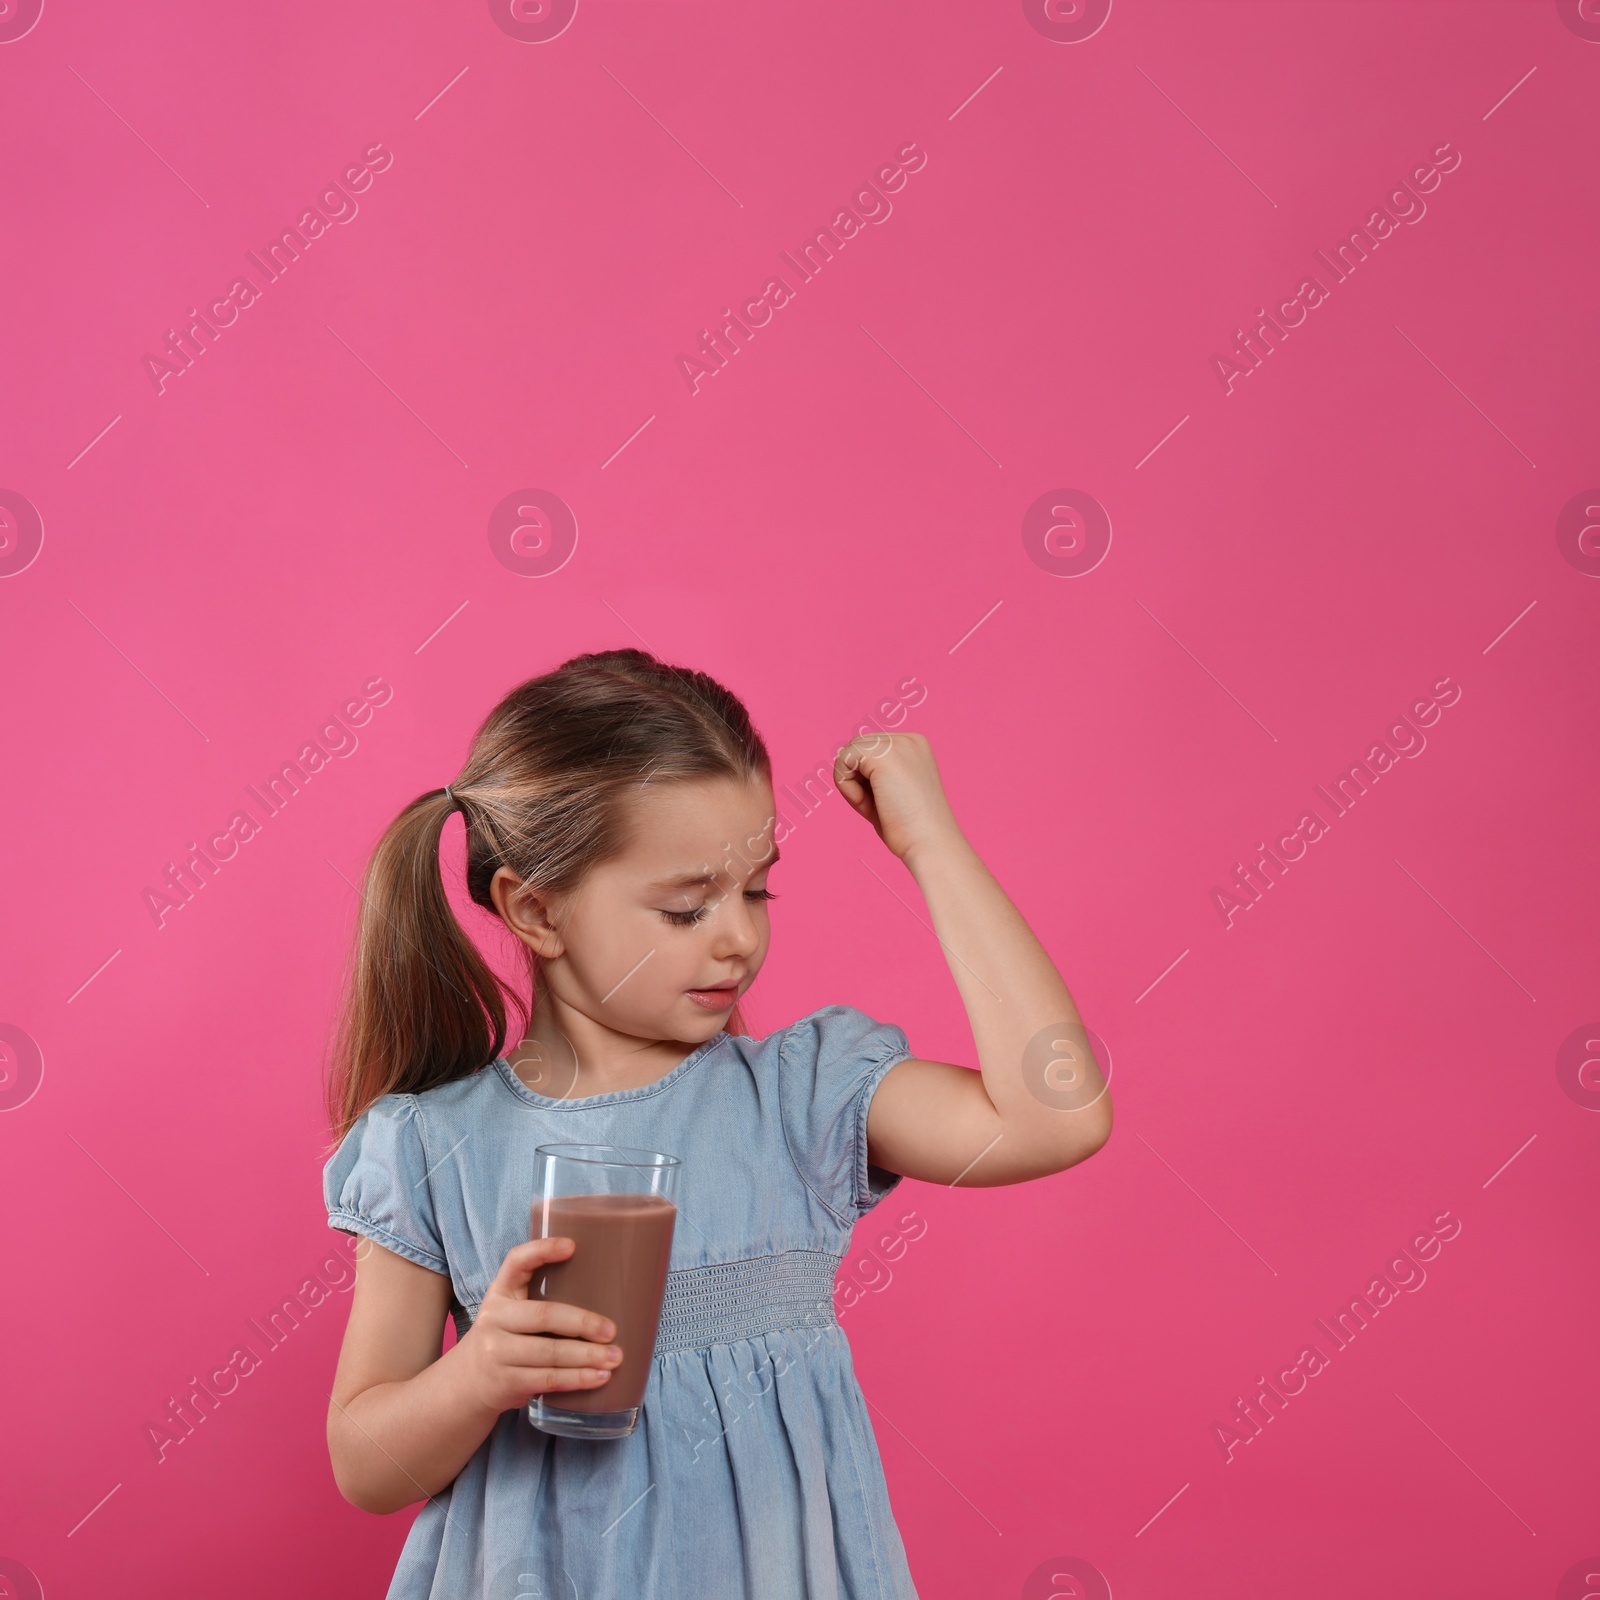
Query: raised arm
x=1039 y=1103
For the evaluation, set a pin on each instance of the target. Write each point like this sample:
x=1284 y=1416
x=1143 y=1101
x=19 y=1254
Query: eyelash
x=687 y=919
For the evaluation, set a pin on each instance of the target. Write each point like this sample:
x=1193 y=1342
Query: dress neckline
x=615 y=1096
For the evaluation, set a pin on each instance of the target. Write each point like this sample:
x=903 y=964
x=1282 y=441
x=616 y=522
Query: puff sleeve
x=375 y=1183
x=831 y=1064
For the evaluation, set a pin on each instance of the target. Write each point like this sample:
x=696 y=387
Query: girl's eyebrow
x=695 y=880
x=685 y=880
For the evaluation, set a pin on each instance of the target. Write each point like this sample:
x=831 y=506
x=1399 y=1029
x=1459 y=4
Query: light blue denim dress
x=753 y=1473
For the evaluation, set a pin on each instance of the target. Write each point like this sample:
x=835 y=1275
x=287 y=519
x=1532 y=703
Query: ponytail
x=542 y=794
x=423 y=1006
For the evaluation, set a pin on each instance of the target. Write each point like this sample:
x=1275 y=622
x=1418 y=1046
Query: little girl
x=620 y=822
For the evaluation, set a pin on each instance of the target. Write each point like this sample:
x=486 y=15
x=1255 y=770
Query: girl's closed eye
x=687 y=919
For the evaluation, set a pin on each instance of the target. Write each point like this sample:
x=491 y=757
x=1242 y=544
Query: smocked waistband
x=741 y=1299
x=733 y=1300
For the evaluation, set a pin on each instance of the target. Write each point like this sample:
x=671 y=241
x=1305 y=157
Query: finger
x=555 y=1316
x=852 y=764
x=530 y=1350
x=865 y=752
x=543 y=1380
x=523 y=1261
x=859 y=798
x=853 y=770
x=849 y=776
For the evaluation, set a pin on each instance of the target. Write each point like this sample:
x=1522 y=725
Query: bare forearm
x=1026 y=1027
x=396 y=1443
x=405 y=1420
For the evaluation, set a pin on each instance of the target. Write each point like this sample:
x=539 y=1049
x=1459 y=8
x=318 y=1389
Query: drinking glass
x=616 y=1204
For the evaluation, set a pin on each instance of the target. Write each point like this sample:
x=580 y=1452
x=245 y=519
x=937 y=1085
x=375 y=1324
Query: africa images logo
x=870 y=202
x=1403 y=203
x=334 y=739
x=335 y=203
x=533 y=21
x=1067 y=21
x=21 y=530
x=533 y=532
x=17 y=19
x=1577 y=531
x=1403 y=737
x=1066 y=532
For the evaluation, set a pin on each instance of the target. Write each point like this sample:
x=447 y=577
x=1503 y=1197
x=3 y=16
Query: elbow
x=357 y=1481
x=1092 y=1133
x=370 y=1497
x=1102 y=1130
x=1098 y=1133
x=357 y=1496
x=1089 y=1130
x=379 y=1507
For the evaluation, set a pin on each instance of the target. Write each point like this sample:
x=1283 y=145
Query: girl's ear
x=526 y=912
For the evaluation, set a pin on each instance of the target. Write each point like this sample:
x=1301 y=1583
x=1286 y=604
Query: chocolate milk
x=619 y=1269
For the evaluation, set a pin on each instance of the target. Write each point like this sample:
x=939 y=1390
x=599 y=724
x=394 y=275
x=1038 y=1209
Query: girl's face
x=660 y=941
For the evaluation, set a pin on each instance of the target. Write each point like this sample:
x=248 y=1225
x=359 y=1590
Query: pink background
x=835 y=511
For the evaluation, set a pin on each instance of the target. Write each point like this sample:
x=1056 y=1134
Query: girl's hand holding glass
x=519 y=1347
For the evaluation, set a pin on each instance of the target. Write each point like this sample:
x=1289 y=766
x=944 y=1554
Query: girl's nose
x=734 y=929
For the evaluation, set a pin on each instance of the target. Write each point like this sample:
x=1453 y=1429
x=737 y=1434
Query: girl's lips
x=715 y=999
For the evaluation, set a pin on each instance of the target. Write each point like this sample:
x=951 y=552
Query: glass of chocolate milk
x=615 y=1204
